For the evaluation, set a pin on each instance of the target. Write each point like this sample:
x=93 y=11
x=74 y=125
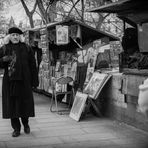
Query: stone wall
x=119 y=100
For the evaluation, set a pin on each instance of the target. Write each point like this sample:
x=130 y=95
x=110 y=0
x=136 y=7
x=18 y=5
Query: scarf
x=14 y=67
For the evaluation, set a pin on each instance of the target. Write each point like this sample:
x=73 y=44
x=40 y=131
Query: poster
x=78 y=106
x=90 y=71
x=95 y=84
x=91 y=59
x=58 y=64
x=92 y=56
x=62 y=35
x=115 y=50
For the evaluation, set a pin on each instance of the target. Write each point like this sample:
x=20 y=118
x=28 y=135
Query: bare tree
x=48 y=10
x=43 y=11
x=28 y=12
x=2 y=18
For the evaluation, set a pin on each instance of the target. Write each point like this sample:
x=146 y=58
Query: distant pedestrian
x=37 y=53
x=20 y=76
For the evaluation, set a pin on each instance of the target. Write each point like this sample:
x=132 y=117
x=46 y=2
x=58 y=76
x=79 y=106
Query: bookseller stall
x=32 y=38
x=133 y=61
x=32 y=35
x=63 y=45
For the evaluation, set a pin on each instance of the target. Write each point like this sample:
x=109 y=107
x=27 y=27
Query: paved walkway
x=50 y=130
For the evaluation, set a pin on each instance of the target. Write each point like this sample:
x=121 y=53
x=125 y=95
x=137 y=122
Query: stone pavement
x=50 y=130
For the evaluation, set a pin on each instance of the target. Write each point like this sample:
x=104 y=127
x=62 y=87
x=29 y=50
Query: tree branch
x=29 y=13
x=74 y=4
x=34 y=8
x=25 y=7
x=42 y=10
x=76 y=8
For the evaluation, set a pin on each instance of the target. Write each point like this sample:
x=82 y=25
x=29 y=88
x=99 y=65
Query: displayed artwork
x=115 y=50
x=69 y=68
x=61 y=87
x=73 y=70
x=65 y=69
x=62 y=35
x=57 y=68
x=78 y=106
x=82 y=56
x=90 y=71
x=97 y=44
x=96 y=83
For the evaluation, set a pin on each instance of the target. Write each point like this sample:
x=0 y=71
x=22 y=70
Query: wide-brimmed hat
x=14 y=30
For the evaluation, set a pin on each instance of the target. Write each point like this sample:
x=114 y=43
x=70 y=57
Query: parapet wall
x=119 y=100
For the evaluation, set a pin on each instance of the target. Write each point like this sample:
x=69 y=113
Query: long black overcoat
x=17 y=95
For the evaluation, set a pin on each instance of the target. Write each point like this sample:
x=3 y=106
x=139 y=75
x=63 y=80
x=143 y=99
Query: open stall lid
x=122 y=6
x=115 y=7
x=88 y=33
x=132 y=11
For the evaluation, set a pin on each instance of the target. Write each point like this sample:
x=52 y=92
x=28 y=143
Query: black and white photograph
x=73 y=73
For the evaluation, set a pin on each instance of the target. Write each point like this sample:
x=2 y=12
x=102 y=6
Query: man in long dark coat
x=20 y=77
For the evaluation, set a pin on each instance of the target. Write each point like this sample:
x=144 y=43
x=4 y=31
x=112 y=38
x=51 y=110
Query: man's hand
x=6 y=58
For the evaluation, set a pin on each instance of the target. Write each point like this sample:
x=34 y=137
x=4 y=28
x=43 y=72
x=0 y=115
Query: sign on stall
x=78 y=106
x=62 y=35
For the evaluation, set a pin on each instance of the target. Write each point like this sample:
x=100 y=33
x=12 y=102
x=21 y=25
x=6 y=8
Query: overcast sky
x=18 y=13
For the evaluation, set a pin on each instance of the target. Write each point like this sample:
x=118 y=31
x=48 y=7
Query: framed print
x=102 y=85
x=58 y=65
x=90 y=71
x=62 y=35
x=95 y=84
x=78 y=106
x=92 y=56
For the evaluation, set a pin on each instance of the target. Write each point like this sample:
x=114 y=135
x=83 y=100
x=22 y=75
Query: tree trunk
x=29 y=13
x=31 y=21
x=51 y=12
x=43 y=11
x=82 y=4
x=101 y=17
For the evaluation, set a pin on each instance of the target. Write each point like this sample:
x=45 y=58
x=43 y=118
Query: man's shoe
x=15 y=133
x=27 y=130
